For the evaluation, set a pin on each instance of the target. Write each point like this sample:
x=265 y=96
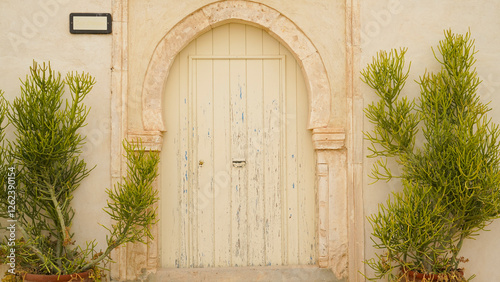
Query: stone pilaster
x=329 y=144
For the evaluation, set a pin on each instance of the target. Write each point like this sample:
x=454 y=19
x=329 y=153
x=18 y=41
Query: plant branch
x=37 y=252
x=63 y=231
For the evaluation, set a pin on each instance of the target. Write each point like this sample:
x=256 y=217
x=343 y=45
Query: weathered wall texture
x=39 y=30
x=419 y=25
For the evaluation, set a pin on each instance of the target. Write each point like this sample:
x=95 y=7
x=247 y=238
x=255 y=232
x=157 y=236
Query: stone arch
x=334 y=230
x=207 y=17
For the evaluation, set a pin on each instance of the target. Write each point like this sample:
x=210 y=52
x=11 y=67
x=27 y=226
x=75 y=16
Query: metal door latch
x=239 y=163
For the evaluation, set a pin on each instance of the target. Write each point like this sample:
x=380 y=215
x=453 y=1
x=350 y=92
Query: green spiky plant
x=46 y=158
x=450 y=184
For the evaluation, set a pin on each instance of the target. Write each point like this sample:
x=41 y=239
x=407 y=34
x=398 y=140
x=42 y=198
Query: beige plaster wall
x=39 y=30
x=419 y=25
x=150 y=20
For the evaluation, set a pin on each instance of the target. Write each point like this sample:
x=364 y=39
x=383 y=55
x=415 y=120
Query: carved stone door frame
x=339 y=214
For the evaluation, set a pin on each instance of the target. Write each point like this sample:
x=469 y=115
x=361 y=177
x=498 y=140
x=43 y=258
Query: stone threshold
x=243 y=274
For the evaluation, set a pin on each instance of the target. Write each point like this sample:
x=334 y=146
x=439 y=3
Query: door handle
x=239 y=163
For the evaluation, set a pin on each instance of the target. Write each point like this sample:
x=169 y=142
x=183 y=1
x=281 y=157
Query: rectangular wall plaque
x=90 y=23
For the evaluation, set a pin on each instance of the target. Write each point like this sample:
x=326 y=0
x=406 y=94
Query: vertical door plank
x=203 y=164
x=170 y=194
x=185 y=131
x=291 y=213
x=222 y=149
x=255 y=162
x=253 y=41
x=272 y=143
x=205 y=161
x=307 y=193
x=238 y=84
x=237 y=44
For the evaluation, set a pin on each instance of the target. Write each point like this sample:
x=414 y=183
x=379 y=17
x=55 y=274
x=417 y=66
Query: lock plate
x=239 y=163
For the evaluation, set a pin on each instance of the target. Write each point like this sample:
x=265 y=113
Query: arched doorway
x=238 y=169
x=331 y=168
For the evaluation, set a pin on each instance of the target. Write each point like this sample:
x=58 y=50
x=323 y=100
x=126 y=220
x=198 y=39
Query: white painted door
x=237 y=161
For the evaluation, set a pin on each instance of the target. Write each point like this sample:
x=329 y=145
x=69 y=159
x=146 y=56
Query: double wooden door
x=237 y=161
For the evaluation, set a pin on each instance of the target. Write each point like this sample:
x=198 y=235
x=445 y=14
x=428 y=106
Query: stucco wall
x=36 y=29
x=419 y=25
x=39 y=30
x=150 y=20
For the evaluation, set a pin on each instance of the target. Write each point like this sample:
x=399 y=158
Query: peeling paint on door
x=237 y=156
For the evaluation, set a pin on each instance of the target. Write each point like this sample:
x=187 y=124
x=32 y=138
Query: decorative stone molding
x=355 y=116
x=331 y=176
x=279 y=26
x=119 y=77
x=337 y=225
x=150 y=140
x=322 y=175
x=328 y=138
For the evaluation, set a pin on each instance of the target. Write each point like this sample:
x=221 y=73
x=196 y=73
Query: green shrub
x=450 y=183
x=45 y=155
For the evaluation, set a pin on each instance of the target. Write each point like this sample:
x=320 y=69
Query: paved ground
x=247 y=274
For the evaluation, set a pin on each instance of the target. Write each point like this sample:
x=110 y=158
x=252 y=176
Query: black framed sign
x=90 y=23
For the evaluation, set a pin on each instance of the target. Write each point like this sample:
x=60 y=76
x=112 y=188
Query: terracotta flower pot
x=417 y=276
x=76 y=277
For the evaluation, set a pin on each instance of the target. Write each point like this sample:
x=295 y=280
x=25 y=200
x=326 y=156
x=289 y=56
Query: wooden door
x=237 y=162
